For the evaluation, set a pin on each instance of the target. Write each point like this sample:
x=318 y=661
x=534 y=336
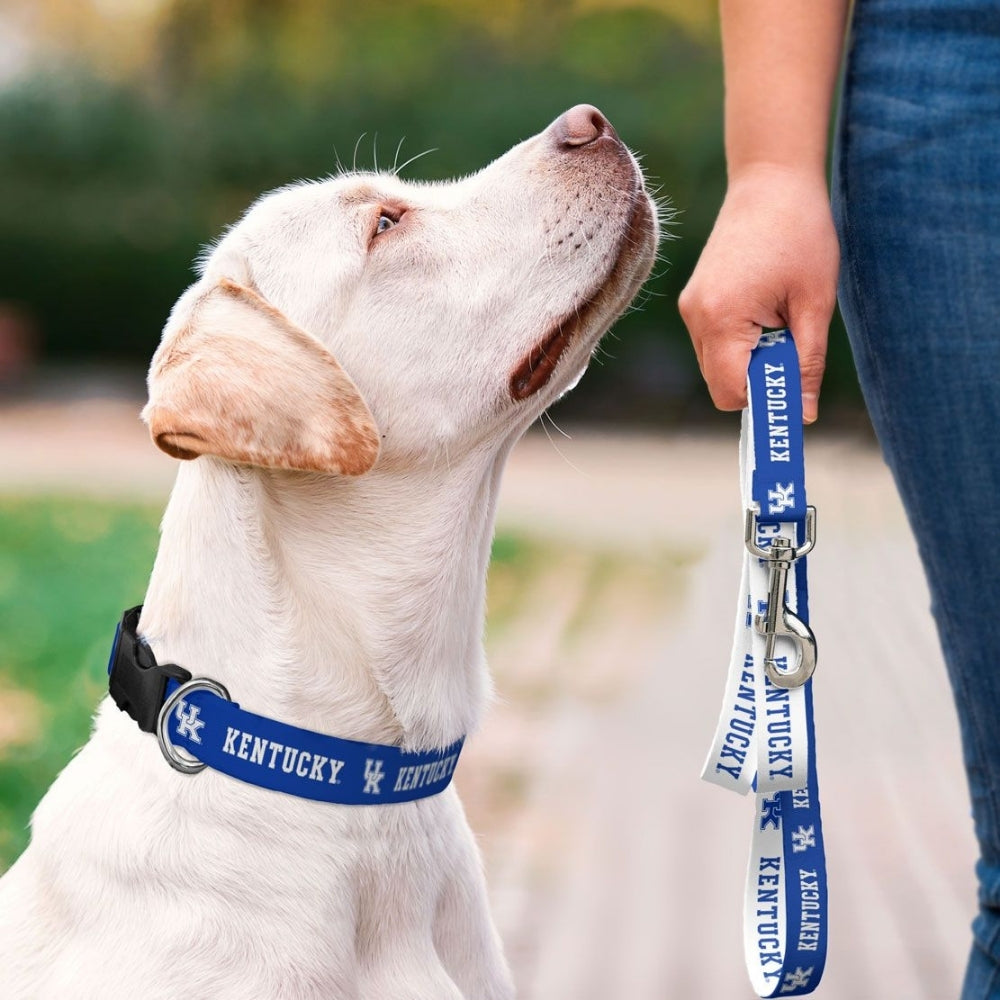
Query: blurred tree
x=148 y=126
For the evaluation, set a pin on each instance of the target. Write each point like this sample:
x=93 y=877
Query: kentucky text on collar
x=765 y=737
x=199 y=726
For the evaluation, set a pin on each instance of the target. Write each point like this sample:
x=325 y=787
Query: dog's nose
x=582 y=125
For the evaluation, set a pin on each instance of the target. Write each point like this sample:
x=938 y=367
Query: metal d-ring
x=176 y=758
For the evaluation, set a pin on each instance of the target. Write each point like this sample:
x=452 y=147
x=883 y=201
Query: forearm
x=773 y=255
x=781 y=59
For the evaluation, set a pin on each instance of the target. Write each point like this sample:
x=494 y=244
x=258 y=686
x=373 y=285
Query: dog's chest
x=262 y=894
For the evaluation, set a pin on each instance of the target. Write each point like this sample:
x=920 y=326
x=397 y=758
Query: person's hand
x=771 y=261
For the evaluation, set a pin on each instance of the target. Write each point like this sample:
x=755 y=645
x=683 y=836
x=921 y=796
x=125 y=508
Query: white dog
x=325 y=558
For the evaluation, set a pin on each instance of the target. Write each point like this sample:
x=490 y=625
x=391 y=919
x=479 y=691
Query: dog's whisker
x=556 y=449
x=412 y=159
x=395 y=159
x=354 y=161
x=544 y=257
x=555 y=426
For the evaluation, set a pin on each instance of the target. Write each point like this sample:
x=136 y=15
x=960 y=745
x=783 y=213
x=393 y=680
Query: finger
x=686 y=306
x=811 y=330
x=726 y=359
x=721 y=344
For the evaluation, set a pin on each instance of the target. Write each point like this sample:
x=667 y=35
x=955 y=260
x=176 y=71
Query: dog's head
x=363 y=315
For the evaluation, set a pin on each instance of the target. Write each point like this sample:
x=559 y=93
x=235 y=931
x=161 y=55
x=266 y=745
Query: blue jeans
x=917 y=203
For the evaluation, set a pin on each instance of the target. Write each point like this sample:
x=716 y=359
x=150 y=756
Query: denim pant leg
x=917 y=205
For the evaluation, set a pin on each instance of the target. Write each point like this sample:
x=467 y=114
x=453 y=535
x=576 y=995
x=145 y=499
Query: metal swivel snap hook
x=778 y=620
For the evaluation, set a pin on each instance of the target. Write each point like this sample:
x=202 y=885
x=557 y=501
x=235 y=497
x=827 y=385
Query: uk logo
x=780 y=498
x=188 y=723
x=797 y=980
x=373 y=777
x=802 y=838
x=771 y=338
x=770 y=813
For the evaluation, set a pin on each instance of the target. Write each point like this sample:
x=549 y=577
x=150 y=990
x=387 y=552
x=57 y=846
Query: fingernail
x=810 y=407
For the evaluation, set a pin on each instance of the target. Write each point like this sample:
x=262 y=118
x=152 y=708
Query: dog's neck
x=350 y=606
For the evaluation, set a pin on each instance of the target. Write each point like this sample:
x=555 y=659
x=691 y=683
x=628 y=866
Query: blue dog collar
x=199 y=726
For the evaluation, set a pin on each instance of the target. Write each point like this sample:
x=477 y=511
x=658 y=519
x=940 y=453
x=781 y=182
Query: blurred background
x=132 y=132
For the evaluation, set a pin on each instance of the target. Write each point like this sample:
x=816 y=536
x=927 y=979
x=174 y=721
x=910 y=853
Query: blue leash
x=765 y=739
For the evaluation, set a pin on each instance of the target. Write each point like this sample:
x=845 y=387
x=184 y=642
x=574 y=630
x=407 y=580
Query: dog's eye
x=385 y=222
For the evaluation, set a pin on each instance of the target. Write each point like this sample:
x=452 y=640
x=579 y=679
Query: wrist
x=800 y=172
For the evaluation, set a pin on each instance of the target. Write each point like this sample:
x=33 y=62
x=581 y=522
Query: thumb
x=811 y=330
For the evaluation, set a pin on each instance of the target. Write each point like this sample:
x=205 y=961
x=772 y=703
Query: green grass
x=68 y=568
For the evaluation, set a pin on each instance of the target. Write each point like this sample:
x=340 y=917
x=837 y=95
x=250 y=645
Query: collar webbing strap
x=765 y=736
x=272 y=754
x=199 y=726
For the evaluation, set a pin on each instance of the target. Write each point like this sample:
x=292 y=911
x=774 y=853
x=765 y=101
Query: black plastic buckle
x=136 y=681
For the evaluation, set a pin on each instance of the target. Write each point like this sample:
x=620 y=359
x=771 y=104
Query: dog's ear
x=234 y=377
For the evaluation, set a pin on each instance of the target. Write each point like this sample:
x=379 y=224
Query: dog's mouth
x=535 y=369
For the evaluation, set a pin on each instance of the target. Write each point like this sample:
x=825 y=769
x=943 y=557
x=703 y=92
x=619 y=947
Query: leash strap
x=765 y=739
x=199 y=726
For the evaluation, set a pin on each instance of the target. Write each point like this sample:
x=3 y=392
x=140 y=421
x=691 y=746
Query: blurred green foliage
x=67 y=569
x=116 y=166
